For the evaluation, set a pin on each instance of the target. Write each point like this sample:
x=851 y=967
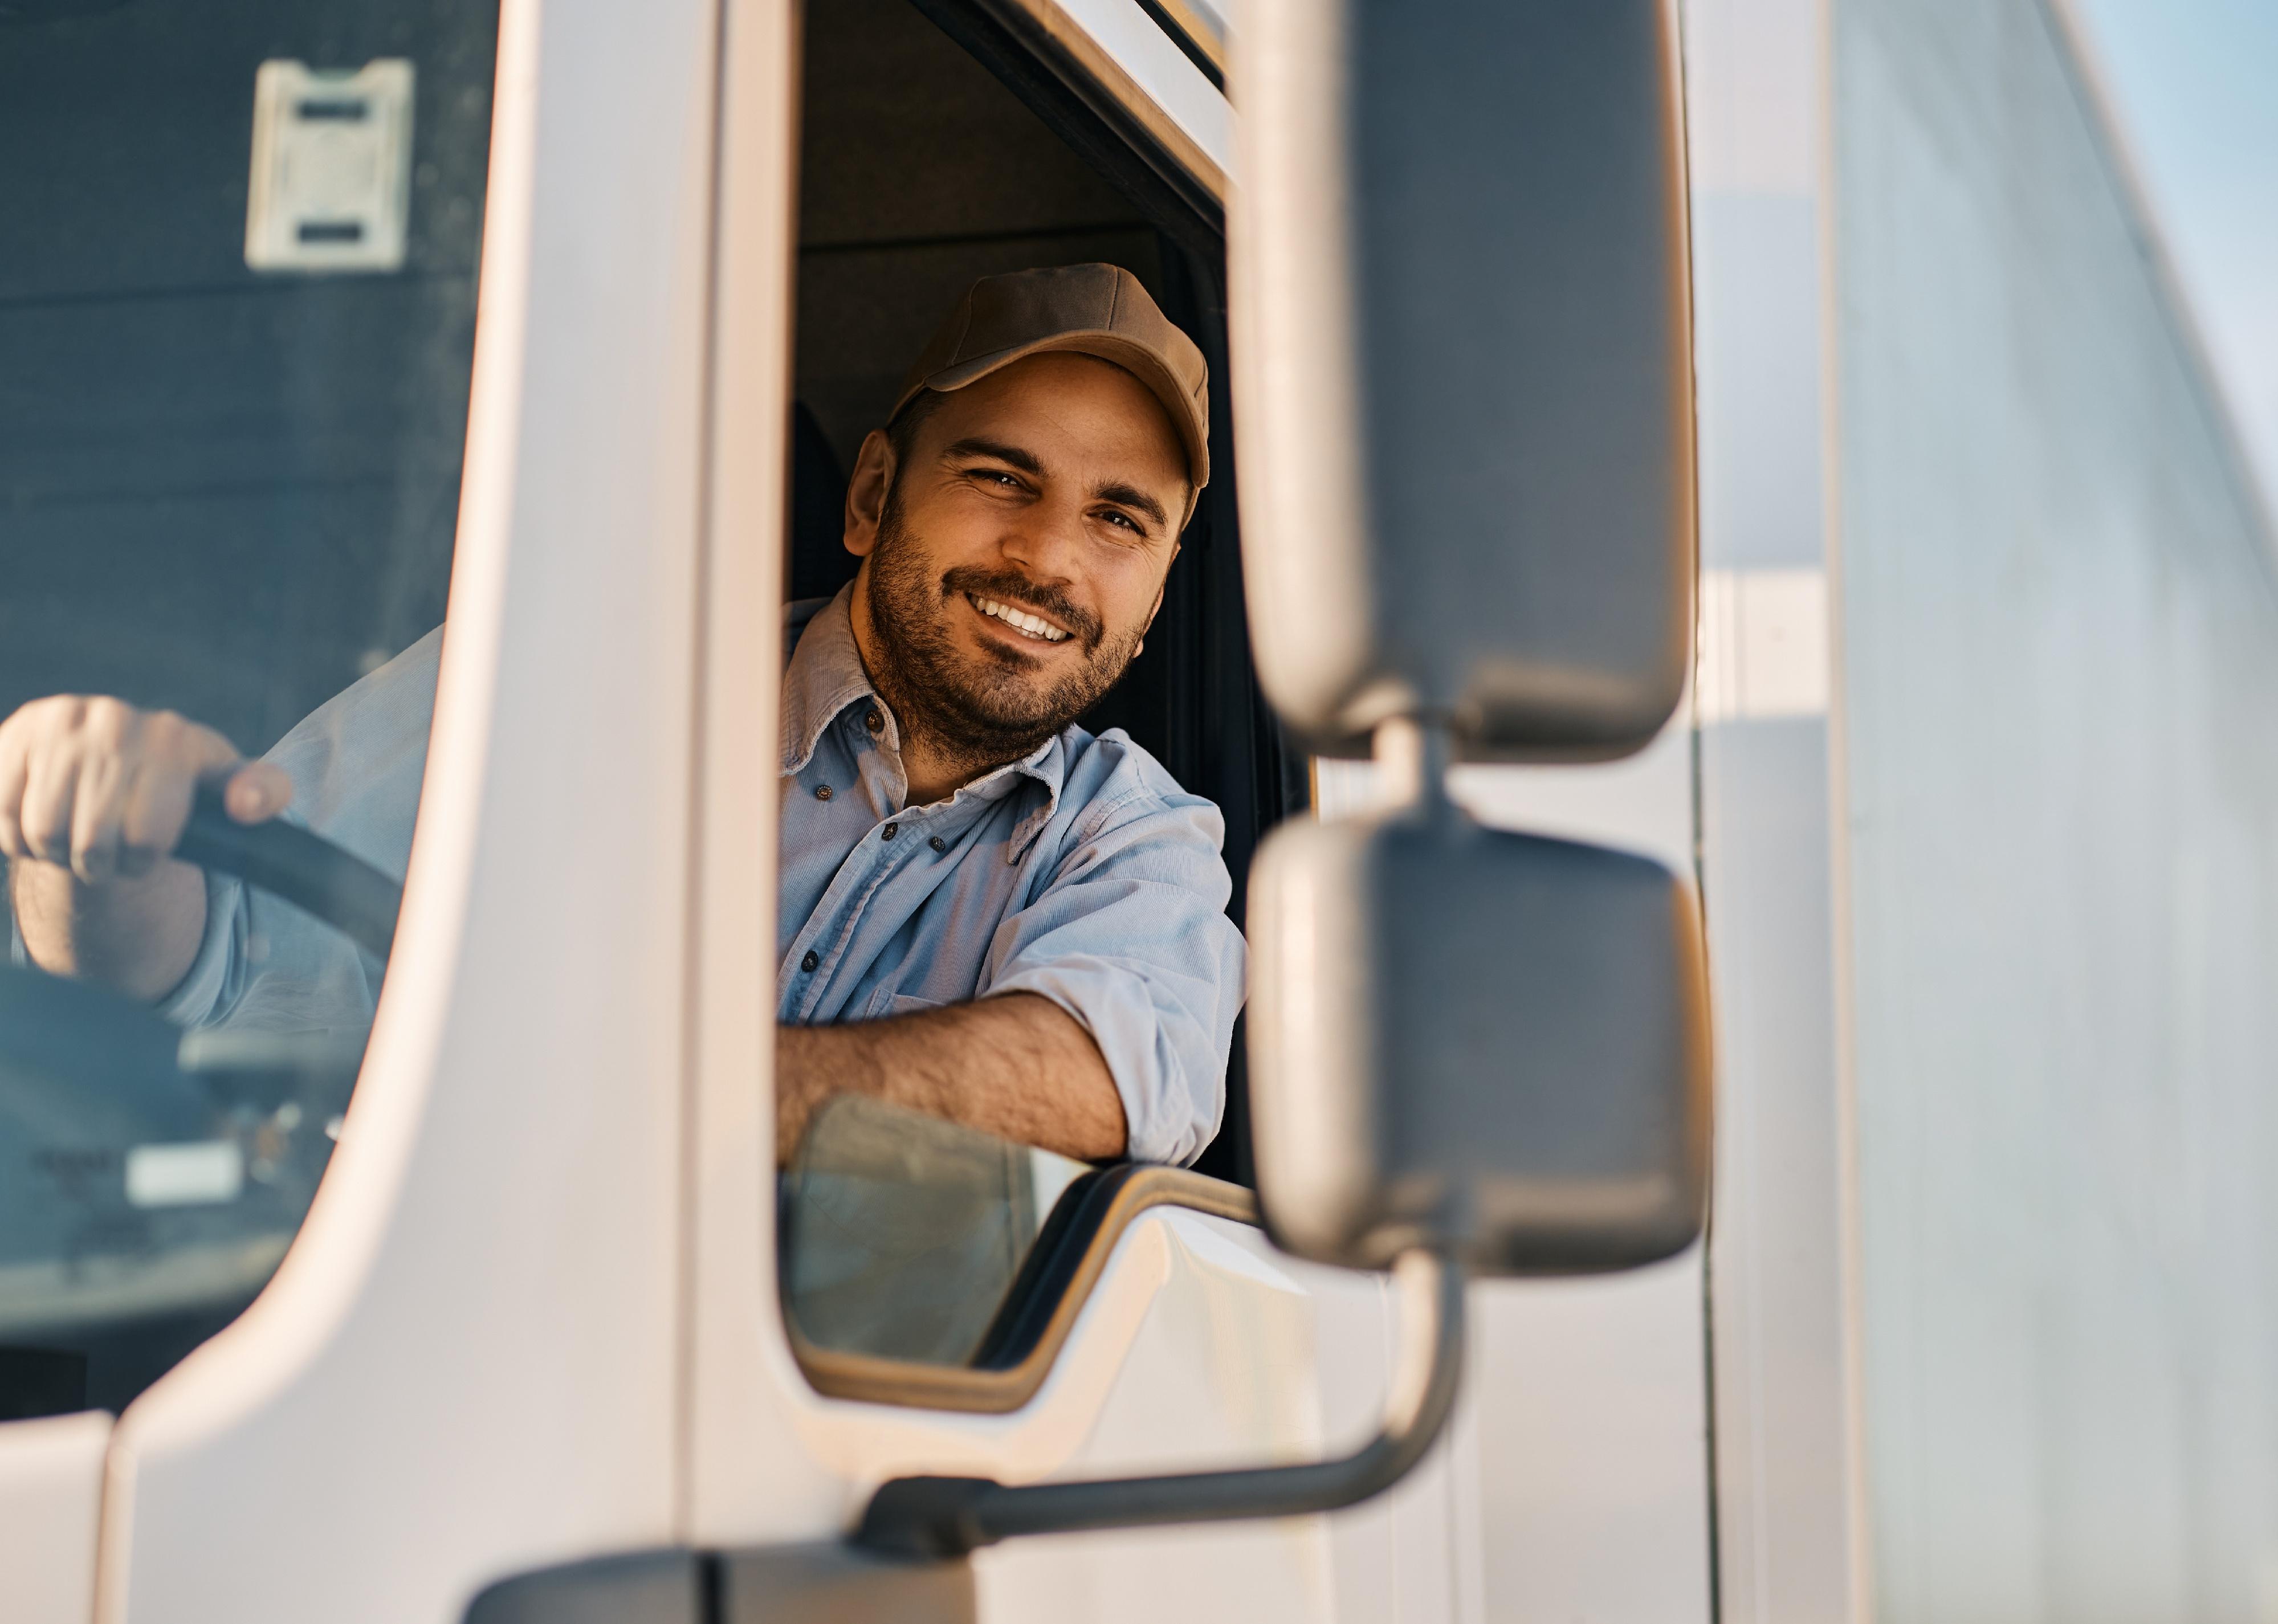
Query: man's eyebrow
x=1027 y=461
x=1132 y=496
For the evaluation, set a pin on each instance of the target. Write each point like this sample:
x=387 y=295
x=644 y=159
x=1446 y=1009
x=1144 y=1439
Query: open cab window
x=919 y=1262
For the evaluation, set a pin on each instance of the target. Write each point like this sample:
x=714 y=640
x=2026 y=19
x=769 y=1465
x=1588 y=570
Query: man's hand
x=94 y=794
x=1018 y=1066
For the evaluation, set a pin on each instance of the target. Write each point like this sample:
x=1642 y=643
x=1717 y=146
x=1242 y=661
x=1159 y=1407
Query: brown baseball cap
x=1089 y=310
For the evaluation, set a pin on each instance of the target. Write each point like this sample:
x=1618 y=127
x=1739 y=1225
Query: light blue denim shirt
x=1083 y=873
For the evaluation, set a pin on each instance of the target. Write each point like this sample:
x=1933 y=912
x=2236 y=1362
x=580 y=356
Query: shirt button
x=889 y=832
x=875 y=723
x=822 y=792
x=810 y=961
x=938 y=843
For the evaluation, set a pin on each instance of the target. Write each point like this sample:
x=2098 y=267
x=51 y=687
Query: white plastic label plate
x=189 y=1174
x=332 y=167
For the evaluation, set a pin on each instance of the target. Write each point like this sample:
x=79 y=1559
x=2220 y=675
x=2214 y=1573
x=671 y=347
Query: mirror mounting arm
x=1414 y=753
x=938 y=1517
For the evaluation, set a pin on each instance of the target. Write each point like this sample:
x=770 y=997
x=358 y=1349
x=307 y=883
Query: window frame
x=1054 y=63
x=1063 y=1267
x=1064 y=75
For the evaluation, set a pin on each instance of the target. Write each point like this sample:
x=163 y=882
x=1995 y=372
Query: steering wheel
x=151 y=1178
x=74 y=1054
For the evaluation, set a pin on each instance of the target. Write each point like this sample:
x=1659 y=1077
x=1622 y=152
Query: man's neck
x=933 y=767
x=932 y=775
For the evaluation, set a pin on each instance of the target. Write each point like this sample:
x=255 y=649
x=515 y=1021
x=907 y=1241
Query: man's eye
x=1126 y=521
x=998 y=475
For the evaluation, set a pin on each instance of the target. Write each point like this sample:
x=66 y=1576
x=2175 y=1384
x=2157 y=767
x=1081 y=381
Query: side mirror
x=1489 y=1046
x=1463 y=353
x=1461 y=321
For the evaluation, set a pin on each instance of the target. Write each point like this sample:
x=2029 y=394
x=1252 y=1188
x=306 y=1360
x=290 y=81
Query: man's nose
x=1044 y=540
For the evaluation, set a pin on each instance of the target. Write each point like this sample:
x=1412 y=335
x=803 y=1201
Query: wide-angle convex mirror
x=1488 y=1047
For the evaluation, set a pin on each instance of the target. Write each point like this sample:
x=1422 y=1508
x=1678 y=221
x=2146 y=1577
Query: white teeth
x=1036 y=626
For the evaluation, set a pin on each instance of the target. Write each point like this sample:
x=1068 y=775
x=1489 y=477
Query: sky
x=2196 y=88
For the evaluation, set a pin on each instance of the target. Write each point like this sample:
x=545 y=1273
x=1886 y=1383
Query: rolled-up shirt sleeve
x=265 y=965
x=355 y=762
x=216 y=975
x=1130 y=937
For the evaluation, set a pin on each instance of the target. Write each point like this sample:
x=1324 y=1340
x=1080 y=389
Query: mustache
x=1010 y=586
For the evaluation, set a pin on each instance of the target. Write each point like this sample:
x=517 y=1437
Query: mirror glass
x=1488 y=1043
x=1461 y=335
x=902 y=1235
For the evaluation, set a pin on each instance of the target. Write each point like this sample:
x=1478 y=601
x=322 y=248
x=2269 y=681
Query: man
x=987 y=913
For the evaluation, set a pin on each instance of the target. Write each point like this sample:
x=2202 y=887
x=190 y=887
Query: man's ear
x=866 y=492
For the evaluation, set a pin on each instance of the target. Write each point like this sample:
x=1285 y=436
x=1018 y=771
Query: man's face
x=1015 y=558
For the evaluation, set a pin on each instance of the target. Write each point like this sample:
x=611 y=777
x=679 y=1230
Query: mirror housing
x=1490 y=1046
x=1464 y=389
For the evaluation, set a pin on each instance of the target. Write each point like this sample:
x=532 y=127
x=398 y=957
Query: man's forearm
x=139 y=936
x=1018 y=1066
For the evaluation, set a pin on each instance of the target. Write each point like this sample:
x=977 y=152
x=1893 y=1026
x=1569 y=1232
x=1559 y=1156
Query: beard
x=985 y=708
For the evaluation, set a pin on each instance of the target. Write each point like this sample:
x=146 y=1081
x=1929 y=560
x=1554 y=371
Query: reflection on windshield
x=902 y=1234
x=238 y=255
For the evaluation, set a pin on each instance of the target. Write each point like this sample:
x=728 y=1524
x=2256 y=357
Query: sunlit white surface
x=1161 y=70
x=1764 y=649
x=50 y=1500
x=2060 y=628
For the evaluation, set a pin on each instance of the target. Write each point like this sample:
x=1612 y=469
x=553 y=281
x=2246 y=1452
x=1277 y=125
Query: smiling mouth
x=1033 y=626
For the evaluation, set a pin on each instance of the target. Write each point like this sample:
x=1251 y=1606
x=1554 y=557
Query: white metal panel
x=51 y=1505
x=1244 y=1357
x=1764 y=642
x=1161 y=70
x=1789 y=1515
x=468 y=1363
x=2060 y=620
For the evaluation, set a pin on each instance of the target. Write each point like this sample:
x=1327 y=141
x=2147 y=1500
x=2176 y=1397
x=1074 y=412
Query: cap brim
x=1136 y=359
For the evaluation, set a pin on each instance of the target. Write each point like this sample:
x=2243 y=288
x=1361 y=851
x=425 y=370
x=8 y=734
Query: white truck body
x=532 y=1317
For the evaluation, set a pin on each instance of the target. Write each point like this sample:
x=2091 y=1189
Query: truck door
x=552 y=1329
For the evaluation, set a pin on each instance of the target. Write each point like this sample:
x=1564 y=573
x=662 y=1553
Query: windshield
x=237 y=252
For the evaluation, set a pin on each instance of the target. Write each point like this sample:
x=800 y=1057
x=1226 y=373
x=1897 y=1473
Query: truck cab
x=550 y=331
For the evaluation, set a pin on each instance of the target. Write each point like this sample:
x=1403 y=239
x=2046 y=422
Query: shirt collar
x=826 y=676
